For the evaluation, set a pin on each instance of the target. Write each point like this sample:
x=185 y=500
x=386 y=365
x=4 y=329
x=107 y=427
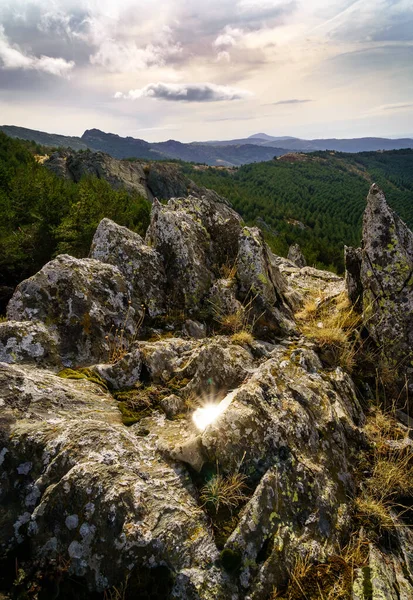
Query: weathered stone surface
x=221 y=222
x=296 y=256
x=164 y=358
x=222 y=299
x=124 y=373
x=80 y=487
x=387 y=281
x=141 y=265
x=184 y=244
x=261 y=281
x=353 y=259
x=28 y=342
x=275 y=426
x=83 y=301
x=194 y=329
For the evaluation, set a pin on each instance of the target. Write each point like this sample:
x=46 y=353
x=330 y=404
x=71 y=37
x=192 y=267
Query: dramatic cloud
x=186 y=92
x=12 y=57
x=351 y=55
x=293 y=101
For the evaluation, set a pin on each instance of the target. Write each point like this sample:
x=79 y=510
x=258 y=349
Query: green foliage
x=317 y=201
x=43 y=215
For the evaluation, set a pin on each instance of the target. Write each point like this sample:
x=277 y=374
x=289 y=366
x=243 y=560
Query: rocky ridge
x=147 y=333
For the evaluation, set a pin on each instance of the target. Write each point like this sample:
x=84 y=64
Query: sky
x=204 y=70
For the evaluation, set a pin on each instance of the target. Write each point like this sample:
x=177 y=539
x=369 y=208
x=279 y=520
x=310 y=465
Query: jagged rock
x=86 y=303
x=275 y=426
x=261 y=283
x=387 y=282
x=124 y=373
x=28 y=342
x=140 y=264
x=296 y=256
x=221 y=222
x=79 y=486
x=184 y=245
x=353 y=259
x=165 y=181
x=194 y=329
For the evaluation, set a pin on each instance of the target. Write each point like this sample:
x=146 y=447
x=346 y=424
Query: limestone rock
x=140 y=264
x=296 y=256
x=28 y=342
x=83 y=301
x=184 y=244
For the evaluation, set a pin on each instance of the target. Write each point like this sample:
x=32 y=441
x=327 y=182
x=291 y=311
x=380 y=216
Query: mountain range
x=256 y=148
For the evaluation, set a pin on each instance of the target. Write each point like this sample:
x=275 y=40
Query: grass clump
x=242 y=338
x=329 y=580
x=227 y=492
x=121 y=341
x=333 y=325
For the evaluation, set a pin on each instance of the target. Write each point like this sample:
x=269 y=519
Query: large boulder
x=140 y=264
x=81 y=490
x=386 y=277
x=86 y=303
x=184 y=245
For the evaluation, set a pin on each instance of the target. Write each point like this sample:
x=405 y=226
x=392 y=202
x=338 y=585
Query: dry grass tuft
x=388 y=465
x=228 y=492
x=330 y=580
x=332 y=324
x=242 y=338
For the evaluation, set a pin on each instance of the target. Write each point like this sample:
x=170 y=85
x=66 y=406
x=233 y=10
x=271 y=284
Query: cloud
x=292 y=101
x=397 y=106
x=12 y=57
x=186 y=92
x=228 y=37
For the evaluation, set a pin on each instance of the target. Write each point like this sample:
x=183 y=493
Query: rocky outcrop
x=386 y=282
x=93 y=506
x=140 y=264
x=296 y=256
x=149 y=180
x=85 y=303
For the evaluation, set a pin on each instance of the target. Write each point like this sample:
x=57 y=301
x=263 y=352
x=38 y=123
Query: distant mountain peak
x=261 y=136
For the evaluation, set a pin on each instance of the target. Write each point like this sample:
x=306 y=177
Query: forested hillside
x=42 y=215
x=316 y=200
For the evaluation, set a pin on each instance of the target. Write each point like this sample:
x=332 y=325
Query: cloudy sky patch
x=86 y=60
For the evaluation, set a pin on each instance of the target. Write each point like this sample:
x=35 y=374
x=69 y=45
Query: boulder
x=296 y=256
x=140 y=264
x=184 y=245
x=28 y=342
x=86 y=303
x=221 y=222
